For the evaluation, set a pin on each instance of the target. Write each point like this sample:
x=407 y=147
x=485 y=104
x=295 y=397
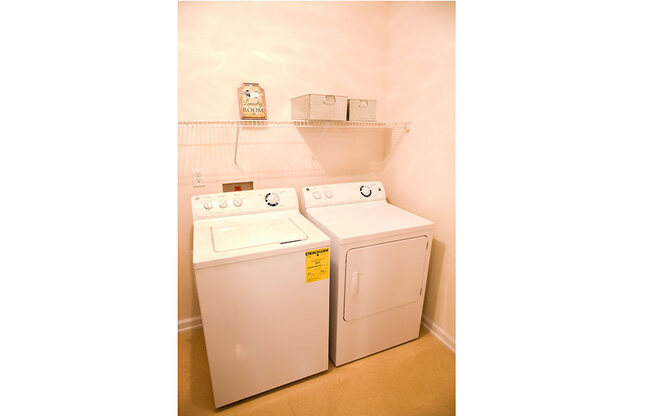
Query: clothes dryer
x=379 y=266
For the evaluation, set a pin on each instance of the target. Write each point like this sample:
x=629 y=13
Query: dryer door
x=383 y=276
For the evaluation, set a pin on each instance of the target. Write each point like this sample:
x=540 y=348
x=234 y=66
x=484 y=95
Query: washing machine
x=262 y=276
x=379 y=266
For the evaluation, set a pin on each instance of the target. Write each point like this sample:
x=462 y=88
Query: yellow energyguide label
x=316 y=265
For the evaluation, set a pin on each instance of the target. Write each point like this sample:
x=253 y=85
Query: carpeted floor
x=416 y=378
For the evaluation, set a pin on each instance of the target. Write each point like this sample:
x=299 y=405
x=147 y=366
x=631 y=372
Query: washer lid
x=349 y=223
x=234 y=234
x=219 y=241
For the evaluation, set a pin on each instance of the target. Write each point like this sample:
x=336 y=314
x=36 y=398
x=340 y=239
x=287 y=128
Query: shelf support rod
x=237 y=138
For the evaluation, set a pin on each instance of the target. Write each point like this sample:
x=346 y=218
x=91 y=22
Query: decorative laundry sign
x=251 y=99
x=317 y=265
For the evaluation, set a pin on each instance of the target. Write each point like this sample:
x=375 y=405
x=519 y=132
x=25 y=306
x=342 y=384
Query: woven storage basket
x=319 y=107
x=361 y=110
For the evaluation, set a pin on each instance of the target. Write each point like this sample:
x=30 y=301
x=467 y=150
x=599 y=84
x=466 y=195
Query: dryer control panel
x=246 y=202
x=342 y=193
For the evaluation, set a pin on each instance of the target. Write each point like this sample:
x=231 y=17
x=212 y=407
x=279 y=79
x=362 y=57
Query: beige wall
x=347 y=48
x=420 y=174
x=291 y=49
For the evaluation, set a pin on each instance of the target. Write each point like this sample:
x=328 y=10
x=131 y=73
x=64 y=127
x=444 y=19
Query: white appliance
x=262 y=275
x=379 y=266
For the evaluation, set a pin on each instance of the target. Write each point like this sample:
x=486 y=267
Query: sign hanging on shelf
x=251 y=99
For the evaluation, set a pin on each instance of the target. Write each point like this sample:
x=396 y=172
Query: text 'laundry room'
x=316 y=208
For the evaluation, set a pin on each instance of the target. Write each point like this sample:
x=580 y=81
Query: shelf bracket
x=237 y=138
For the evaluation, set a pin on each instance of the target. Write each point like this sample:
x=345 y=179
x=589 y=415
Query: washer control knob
x=223 y=203
x=316 y=195
x=272 y=199
x=237 y=202
x=365 y=191
x=208 y=204
x=328 y=194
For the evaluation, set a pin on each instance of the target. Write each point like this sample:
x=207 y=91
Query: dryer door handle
x=356 y=277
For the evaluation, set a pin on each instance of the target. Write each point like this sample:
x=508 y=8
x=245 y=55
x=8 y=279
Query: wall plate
x=238 y=186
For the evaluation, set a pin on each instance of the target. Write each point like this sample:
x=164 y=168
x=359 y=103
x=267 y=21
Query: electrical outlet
x=198 y=177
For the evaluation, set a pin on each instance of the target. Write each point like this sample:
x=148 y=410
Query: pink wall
x=357 y=49
x=291 y=49
x=421 y=88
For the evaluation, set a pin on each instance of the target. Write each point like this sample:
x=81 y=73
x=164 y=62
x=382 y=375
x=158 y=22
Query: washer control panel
x=246 y=202
x=342 y=193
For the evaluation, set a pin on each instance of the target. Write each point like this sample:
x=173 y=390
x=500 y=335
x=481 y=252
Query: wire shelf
x=403 y=127
x=296 y=123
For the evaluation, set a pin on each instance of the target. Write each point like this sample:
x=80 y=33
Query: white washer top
x=359 y=217
x=238 y=233
x=224 y=235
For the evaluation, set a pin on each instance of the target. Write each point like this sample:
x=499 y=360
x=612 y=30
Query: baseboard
x=437 y=331
x=190 y=323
